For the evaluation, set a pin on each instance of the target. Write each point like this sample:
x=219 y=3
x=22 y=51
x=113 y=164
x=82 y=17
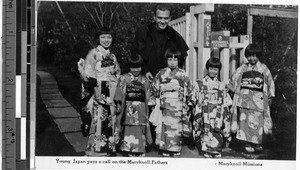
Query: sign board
x=219 y=39
x=207 y=33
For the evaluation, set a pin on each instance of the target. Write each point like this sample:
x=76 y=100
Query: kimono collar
x=212 y=82
x=168 y=70
x=103 y=51
x=132 y=77
x=209 y=79
x=254 y=67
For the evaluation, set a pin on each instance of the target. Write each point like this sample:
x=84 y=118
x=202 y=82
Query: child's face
x=105 y=40
x=252 y=59
x=213 y=72
x=136 y=71
x=172 y=63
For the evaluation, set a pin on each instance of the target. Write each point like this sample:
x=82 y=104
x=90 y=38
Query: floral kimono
x=253 y=86
x=174 y=89
x=89 y=82
x=132 y=124
x=106 y=71
x=211 y=116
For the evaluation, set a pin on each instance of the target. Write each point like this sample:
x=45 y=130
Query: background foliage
x=66 y=33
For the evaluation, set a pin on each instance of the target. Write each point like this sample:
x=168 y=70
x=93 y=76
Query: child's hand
x=119 y=109
x=186 y=108
x=149 y=76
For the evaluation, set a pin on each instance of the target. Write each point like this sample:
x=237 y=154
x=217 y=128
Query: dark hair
x=253 y=49
x=103 y=30
x=173 y=52
x=162 y=7
x=213 y=62
x=135 y=60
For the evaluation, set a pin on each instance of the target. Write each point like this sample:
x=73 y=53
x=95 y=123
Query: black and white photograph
x=163 y=85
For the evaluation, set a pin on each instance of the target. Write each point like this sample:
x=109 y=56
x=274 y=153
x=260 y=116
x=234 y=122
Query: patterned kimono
x=211 y=116
x=132 y=124
x=253 y=86
x=89 y=82
x=105 y=70
x=174 y=90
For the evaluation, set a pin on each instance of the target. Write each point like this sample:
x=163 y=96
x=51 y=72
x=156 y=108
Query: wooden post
x=203 y=52
x=249 y=25
x=232 y=59
x=224 y=57
x=192 y=50
x=187 y=40
x=193 y=29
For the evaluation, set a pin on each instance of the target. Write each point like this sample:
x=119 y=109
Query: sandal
x=218 y=155
x=249 y=148
x=131 y=155
x=142 y=155
x=258 y=148
x=206 y=155
x=165 y=154
x=176 y=155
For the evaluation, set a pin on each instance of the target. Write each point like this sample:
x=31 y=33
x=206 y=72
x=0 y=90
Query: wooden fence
x=195 y=28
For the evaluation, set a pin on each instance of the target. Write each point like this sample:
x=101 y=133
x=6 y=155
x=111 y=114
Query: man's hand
x=149 y=76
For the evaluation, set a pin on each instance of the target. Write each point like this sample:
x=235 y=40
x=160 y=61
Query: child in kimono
x=211 y=116
x=254 y=89
x=102 y=66
x=173 y=88
x=132 y=96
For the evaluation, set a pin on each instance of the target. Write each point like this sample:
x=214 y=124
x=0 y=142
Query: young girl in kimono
x=211 y=116
x=132 y=96
x=254 y=89
x=173 y=88
x=101 y=65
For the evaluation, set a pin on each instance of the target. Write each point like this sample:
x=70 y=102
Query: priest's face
x=162 y=19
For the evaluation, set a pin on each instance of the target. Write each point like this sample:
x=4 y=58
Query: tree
x=67 y=35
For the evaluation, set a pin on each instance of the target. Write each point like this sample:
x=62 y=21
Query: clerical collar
x=160 y=30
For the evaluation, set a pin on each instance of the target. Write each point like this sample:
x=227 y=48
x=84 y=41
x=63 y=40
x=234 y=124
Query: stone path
x=64 y=115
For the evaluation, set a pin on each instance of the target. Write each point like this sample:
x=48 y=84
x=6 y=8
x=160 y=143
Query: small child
x=131 y=98
x=173 y=88
x=211 y=116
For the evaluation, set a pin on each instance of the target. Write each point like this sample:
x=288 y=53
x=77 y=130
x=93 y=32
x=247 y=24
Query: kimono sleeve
x=189 y=91
x=117 y=67
x=90 y=63
x=120 y=93
x=148 y=92
x=270 y=84
x=198 y=120
x=227 y=116
x=233 y=84
x=154 y=89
